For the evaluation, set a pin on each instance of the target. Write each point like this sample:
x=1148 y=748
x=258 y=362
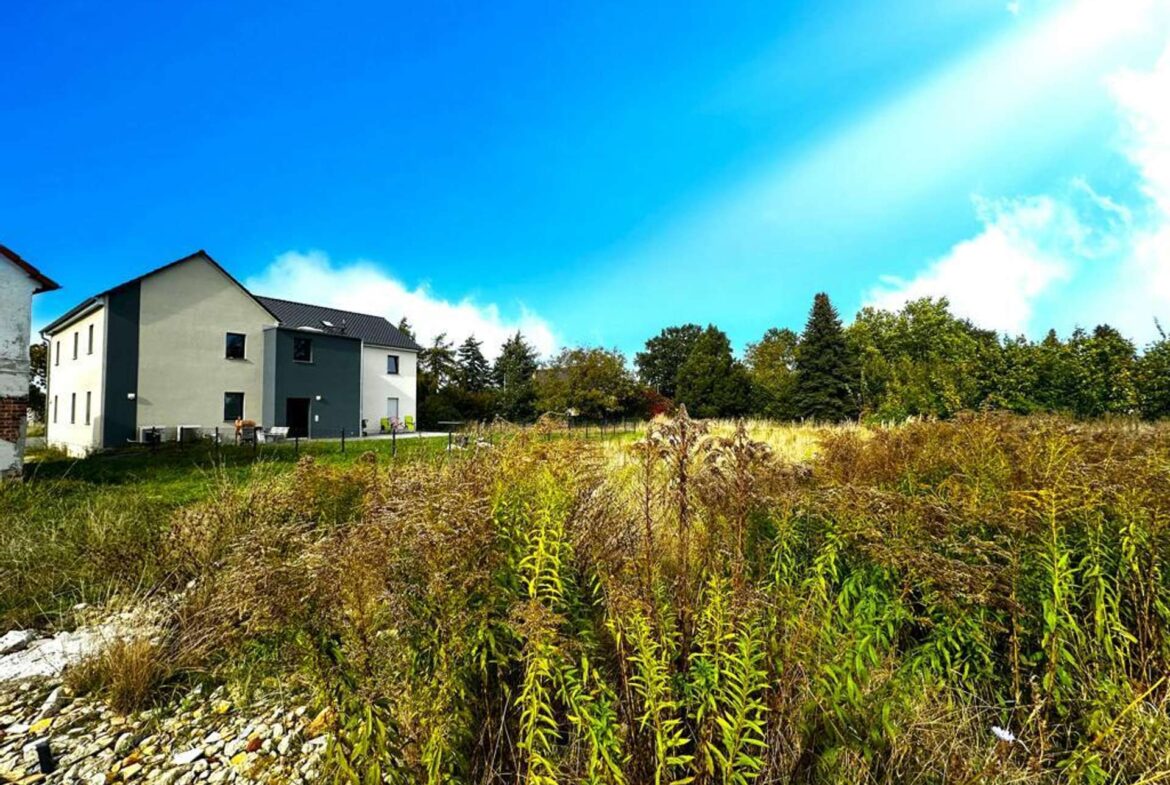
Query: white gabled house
x=19 y=281
x=186 y=349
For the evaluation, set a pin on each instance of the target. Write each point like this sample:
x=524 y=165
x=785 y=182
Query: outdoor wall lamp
x=318 y=397
x=130 y=396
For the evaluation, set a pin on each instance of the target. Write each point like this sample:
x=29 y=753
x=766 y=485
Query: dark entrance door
x=296 y=416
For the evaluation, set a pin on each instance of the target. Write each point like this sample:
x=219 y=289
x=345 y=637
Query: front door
x=296 y=416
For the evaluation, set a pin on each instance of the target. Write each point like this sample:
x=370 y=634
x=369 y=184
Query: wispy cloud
x=1108 y=259
x=366 y=287
x=994 y=277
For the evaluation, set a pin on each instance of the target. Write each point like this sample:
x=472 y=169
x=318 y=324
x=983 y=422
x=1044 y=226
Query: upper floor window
x=392 y=363
x=303 y=350
x=90 y=351
x=76 y=343
x=234 y=349
x=57 y=354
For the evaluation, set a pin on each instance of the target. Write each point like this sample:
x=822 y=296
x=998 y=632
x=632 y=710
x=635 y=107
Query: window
x=57 y=354
x=302 y=350
x=90 y=351
x=54 y=409
x=233 y=406
x=72 y=408
x=392 y=363
x=234 y=349
x=88 y=401
x=76 y=342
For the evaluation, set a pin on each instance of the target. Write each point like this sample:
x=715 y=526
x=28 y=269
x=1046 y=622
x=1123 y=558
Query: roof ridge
x=329 y=307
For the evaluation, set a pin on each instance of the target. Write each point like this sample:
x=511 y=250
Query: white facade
x=73 y=412
x=185 y=314
x=16 y=290
x=382 y=392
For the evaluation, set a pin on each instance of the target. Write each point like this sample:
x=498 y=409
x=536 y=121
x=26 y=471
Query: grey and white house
x=19 y=281
x=186 y=349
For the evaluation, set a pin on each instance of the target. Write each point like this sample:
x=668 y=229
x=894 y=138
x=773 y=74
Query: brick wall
x=12 y=414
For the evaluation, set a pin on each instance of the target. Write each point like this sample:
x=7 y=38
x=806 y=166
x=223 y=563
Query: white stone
x=188 y=757
x=15 y=640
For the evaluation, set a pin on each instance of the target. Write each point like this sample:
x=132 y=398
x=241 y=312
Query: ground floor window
x=72 y=408
x=233 y=406
x=54 y=409
x=88 y=405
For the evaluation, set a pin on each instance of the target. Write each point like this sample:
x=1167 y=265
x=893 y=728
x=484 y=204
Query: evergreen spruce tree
x=513 y=372
x=475 y=375
x=405 y=328
x=825 y=372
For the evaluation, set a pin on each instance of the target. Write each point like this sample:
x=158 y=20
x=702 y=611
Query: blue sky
x=593 y=172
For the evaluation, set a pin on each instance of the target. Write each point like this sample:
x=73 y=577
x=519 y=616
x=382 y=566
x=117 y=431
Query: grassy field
x=984 y=600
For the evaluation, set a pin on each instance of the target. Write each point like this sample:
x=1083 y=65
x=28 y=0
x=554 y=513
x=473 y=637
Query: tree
x=438 y=362
x=513 y=373
x=825 y=377
x=1153 y=379
x=665 y=353
x=922 y=361
x=405 y=328
x=711 y=382
x=38 y=358
x=475 y=375
x=593 y=382
x=771 y=364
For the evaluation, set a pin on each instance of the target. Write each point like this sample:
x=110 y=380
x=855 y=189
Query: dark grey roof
x=371 y=329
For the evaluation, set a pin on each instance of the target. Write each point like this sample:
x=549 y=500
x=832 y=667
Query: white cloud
x=994 y=277
x=362 y=286
x=1116 y=256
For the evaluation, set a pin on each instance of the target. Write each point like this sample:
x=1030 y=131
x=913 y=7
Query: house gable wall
x=185 y=313
x=16 y=289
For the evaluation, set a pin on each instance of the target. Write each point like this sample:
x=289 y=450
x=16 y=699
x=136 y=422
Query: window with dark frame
x=88 y=403
x=233 y=406
x=303 y=350
x=54 y=409
x=392 y=363
x=90 y=351
x=76 y=343
x=234 y=346
x=72 y=408
x=57 y=354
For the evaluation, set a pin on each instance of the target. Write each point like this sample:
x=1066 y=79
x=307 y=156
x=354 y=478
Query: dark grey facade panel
x=119 y=412
x=334 y=375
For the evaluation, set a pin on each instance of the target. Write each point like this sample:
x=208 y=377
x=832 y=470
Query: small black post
x=45 y=757
x=450 y=436
x=297 y=445
x=343 y=439
x=393 y=442
x=217 y=442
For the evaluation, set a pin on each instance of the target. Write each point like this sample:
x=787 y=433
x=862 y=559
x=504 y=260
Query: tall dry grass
x=723 y=603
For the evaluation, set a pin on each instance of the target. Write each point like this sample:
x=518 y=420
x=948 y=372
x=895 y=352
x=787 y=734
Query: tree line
x=919 y=361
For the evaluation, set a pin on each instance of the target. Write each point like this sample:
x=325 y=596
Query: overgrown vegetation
x=696 y=606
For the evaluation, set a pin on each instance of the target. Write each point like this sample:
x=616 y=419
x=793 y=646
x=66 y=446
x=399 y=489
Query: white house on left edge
x=19 y=281
x=186 y=347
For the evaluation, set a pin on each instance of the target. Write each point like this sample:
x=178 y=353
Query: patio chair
x=409 y=421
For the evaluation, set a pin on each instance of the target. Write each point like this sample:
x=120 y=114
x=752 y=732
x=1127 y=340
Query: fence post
x=393 y=442
x=297 y=445
x=343 y=439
